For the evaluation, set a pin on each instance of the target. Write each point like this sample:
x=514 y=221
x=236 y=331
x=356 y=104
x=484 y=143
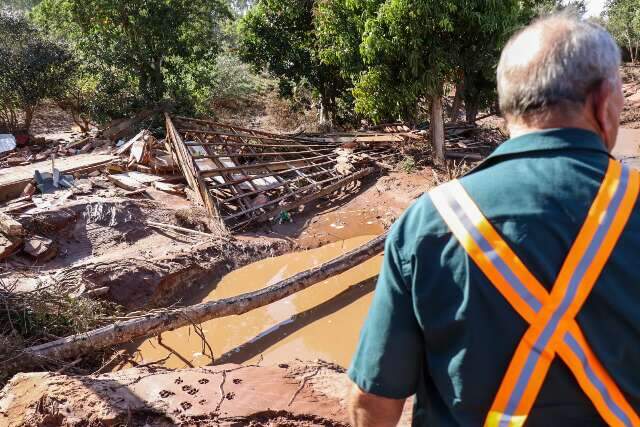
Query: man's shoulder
x=421 y=220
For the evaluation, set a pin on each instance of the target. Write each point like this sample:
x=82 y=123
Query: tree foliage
x=33 y=68
x=22 y=5
x=143 y=44
x=400 y=52
x=279 y=35
x=623 y=21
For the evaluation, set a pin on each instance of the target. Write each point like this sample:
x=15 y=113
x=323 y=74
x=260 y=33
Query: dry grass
x=44 y=314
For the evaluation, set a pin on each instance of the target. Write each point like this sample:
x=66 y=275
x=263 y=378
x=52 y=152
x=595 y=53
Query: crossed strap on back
x=551 y=316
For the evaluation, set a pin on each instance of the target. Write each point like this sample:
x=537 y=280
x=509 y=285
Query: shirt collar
x=551 y=139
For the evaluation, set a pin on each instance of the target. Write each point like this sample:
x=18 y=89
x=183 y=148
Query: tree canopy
x=279 y=36
x=144 y=43
x=33 y=68
x=623 y=21
x=400 y=52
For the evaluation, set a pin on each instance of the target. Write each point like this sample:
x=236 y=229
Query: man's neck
x=520 y=127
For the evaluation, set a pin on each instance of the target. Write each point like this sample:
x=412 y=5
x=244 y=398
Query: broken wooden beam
x=464 y=156
x=253 y=166
x=274 y=154
x=304 y=199
x=156 y=323
x=187 y=165
x=238 y=144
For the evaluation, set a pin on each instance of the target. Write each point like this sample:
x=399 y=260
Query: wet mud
x=321 y=322
x=627 y=147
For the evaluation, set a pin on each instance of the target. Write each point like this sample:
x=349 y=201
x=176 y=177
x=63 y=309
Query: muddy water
x=628 y=147
x=323 y=321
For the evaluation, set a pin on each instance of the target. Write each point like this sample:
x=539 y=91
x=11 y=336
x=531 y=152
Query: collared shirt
x=437 y=327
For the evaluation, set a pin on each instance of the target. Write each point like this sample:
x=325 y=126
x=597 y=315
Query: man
x=511 y=296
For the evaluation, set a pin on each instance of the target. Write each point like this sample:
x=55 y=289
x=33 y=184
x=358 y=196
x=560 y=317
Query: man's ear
x=599 y=100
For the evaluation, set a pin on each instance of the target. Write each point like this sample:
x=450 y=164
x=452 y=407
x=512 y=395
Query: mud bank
x=292 y=394
x=108 y=243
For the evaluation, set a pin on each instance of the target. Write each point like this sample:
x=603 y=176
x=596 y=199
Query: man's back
x=459 y=334
x=508 y=297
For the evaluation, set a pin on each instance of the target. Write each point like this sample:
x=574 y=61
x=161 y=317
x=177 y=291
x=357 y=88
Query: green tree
x=279 y=36
x=623 y=21
x=400 y=53
x=33 y=68
x=148 y=39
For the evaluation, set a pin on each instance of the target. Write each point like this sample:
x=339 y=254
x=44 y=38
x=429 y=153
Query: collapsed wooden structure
x=245 y=176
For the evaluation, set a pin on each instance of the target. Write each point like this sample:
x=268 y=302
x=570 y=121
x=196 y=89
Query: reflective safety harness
x=551 y=316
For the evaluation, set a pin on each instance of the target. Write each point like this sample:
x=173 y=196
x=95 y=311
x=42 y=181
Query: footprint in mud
x=237 y=381
x=203 y=401
x=203 y=381
x=230 y=395
x=190 y=390
x=178 y=380
x=186 y=405
x=166 y=393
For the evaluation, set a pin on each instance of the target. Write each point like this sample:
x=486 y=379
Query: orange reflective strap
x=553 y=328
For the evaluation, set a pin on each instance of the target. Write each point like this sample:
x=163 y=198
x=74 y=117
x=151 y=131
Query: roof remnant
x=245 y=176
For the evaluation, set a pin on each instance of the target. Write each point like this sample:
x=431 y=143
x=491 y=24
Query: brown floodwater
x=321 y=322
x=628 y=147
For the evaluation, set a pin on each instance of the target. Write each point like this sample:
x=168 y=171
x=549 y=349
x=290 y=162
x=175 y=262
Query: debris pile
x=144 y=161
x=469 y=142
x=245 y=176
x=41 y=149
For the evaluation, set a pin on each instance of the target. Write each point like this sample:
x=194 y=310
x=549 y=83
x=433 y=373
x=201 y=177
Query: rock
x=94 y=174
x=40 y=248
x=49 y=221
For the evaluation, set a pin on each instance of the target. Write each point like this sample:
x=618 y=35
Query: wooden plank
x=14 y=180
x=193 y=176
x=281 y=165
x=127 y=146
x=311 y=196
x=144 y=178
x=133 y=180
x=122 y=180
x=10 y=226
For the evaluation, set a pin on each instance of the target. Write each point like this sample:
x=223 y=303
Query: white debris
x=7 y=142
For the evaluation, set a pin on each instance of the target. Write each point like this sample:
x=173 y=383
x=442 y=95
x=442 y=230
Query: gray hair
x=557 y=60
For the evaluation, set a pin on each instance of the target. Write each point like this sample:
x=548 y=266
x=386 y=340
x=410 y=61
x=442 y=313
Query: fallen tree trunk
x=152 y=324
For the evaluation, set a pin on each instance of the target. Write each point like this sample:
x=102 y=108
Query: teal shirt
x=437 y=327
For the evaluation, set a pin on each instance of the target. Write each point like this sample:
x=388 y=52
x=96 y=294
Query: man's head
x=561 y=72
